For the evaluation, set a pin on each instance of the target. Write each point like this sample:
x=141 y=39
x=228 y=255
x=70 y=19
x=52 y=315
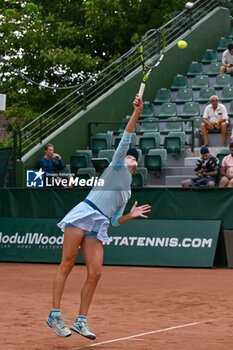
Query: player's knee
x=94 y=275
x=66 y=265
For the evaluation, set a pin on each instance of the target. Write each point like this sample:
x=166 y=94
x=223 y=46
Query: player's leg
x=224 y=133
x=92 y=251
x=204 y=133
x=72 y=240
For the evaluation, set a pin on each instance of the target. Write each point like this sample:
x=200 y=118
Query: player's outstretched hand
x=139 y=211
x=138 y=104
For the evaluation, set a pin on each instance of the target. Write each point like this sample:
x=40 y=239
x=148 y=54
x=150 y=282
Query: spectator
x=215 y=117
x=48 y=164
x=207 y=168
x=227 y=169
x=227 y=60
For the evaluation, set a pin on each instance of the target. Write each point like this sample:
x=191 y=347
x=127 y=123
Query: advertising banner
x=187 y=243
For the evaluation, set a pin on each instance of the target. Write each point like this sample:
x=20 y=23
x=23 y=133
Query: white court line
x=147 y=333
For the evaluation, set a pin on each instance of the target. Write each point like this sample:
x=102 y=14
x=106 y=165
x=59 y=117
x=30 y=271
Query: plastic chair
x=191 y=109
x=173 y=125
x=184 y=95
x=222 y=154
x=222 y=80
x=214 y=68
x=227 y=94
x=200 y=81
x=4 y=158
x=101 y=141
x=167 y=110
x=103 y=160
x=140 y=178
x=149 y=140
x=205 y=94
x=133 y=140
x=179 y=81
x=231 y=33
x=210 y=56
x=195 y=68
x=86 y=173
x=148 y=110
x=174 y=142
x=156 y=159
x=223 y=43
x=163 y=95
x=230 y=112
x=83 y=158
x=149 y=127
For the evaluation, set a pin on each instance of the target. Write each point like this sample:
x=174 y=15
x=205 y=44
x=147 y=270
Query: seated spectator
x=207 y=169
x=227 y=60
x=48 y=164
x=227 y=169
x=215 y=117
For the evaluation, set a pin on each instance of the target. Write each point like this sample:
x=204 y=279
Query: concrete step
x=190 y=161
x=176 y=180
x=187 y=171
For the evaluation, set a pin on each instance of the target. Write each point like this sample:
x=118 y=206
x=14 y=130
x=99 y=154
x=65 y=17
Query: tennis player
x=86 y=226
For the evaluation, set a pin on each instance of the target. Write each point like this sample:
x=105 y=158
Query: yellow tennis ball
x=182 y=44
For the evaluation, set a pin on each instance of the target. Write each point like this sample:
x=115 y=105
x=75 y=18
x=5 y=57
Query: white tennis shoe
x=81 y=327
x=56 y=322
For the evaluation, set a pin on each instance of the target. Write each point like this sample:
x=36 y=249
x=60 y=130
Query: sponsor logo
x=173 y=242
x=35 y=178
x=30 y=238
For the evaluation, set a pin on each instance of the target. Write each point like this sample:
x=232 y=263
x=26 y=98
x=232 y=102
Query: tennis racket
x=151 y=53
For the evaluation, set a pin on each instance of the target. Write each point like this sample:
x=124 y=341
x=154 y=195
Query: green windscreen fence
x=185 y=227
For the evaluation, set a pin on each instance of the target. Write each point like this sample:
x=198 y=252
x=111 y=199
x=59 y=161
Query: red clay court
x=134 y=308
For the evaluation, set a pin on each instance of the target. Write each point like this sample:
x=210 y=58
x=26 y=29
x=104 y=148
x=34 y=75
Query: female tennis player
x=86 y=226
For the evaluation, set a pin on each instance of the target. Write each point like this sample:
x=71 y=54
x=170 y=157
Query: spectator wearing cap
x=215 y=117
x=227 y=169
x=207 y=169
x=227 y=60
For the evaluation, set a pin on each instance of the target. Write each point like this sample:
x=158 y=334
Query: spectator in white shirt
x=215 y=117
x=227 y=60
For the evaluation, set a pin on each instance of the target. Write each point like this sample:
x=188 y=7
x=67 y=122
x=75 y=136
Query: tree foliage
x=63 y=42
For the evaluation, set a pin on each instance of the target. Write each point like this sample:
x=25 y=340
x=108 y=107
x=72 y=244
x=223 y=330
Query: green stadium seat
x=231 y=33
x=173 y=125
x=200 y=81
x=230 y=112
x=197 y=124
x=83 y=158
x=103 y=160
x=174 y=142
x=86 y=173
x=150 y=125
x=149 y=140
x=163 y=95
x=139 y=156
x=205 y=94
x=168 y=109
x=101 y=141
x=222 y=80
x=140 y=178
x=223 y=43
x=195 y=68
x=223 y=153
x=156 y=159
x=210 y=56
x=214 y=68
x=184 y=95
x=191 y=109
x=133 y=140
x=179 y=81
x=227 y=94
x=4 y=158
x=148 y=110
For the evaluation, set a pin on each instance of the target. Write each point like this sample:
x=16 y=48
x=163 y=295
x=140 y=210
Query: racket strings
x=152 y=49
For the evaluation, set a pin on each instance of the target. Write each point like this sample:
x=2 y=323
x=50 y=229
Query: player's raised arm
x=138 y=107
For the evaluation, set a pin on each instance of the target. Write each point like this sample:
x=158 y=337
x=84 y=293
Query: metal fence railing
x=42 y=126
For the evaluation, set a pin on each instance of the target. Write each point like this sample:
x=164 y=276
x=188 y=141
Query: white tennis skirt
x=88 y=219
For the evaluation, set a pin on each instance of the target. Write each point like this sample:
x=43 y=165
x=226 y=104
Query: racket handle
x=141 y=90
